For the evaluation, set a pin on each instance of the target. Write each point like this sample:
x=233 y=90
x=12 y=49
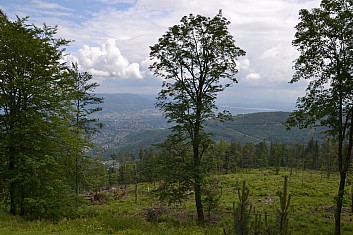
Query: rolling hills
x=131 y=122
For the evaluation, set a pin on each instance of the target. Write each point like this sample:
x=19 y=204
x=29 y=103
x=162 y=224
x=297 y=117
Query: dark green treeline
x=228 y=157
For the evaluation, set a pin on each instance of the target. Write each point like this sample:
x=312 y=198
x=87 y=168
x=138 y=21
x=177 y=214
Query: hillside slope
x=131 y=122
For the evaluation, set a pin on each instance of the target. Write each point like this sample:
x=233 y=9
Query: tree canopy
x=324 y=40
x=36 y=112
x=197 y=60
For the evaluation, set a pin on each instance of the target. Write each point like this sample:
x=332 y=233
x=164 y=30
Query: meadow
x=311 y=209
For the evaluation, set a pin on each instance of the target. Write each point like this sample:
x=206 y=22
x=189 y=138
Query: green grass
x=311 y=209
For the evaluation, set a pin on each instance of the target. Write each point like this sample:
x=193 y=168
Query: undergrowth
x=311 y=209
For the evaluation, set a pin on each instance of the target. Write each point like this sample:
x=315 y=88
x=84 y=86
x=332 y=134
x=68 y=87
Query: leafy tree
x=194 y=58
x=113 y=166
x=148 y=165
x=242 y=211
x=175 y=170
x=236 y=151
x=34 y=111
x=277 y=152
x=220 y=157
x=312 y=155
x=262 y=154
x=295 y=154
x=96 y=175
x=212 y=195
x=248 y=155
x=324 y=40
x=84 y=104
x=127 y=169
x=328 y=157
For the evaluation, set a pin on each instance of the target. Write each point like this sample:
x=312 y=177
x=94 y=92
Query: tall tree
x=85 y=103
x=175 y=166
x=324 y=40
x=262 y=154
x=312 y=155
x=148 y=165
x=249 y=157
x=197 y=60
x=34 y=106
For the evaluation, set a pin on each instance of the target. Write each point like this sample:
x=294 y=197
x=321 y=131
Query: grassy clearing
x=312 y=209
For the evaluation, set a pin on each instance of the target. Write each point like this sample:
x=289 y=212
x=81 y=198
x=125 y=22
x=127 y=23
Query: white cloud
x=243 y=64
x=46 y=5
x=263 y=28
x=253 y=77
x=116 y=1
x=107 y=61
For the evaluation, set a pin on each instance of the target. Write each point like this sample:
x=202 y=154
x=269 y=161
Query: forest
x=189 y=182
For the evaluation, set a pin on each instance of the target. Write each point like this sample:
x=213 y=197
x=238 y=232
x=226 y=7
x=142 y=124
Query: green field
x=311 y=209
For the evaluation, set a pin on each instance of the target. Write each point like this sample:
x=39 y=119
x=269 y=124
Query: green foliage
x=34 y=111
x=283 y=211
x=212 y=195
x=311 y=210
x=256 y=225
x=255 y=128
x=175 y=171
x=94 y=175
x=43 y=118
x=84 y=104
x=242 y=211
x=323 y=39
x=148 y=165
x=192 y=58
x=50 y=197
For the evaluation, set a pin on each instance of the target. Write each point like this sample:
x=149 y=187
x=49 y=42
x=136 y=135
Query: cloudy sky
x=111 y=40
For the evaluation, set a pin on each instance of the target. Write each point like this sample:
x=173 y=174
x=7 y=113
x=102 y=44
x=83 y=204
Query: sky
x=111 y=40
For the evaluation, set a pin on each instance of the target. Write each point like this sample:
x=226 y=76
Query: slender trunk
x=340 y=193
x=197 y=188
x=197 y=167
x=227 y=163
x=352 y=197
x=12 y=189
x=328 y=168
x=344 y=162
x=136 y=192
x=77 y=176
x=339 y=202
x=77 y=180
x=341 y=135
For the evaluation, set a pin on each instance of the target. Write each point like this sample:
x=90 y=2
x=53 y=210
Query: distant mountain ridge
x=132 y=122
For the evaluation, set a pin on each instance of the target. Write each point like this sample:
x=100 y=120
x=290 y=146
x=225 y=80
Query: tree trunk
x=344 y=163
x=12 y=186
x=135 y=192
x=227 y=163
x=77 y=187
x=197 y=163
x=197 y=189
x=339 y=201
x=351 y=197
x=12 y=191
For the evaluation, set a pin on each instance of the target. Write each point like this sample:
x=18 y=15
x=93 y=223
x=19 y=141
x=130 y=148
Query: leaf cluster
x=323 y=39
x=195 y=58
